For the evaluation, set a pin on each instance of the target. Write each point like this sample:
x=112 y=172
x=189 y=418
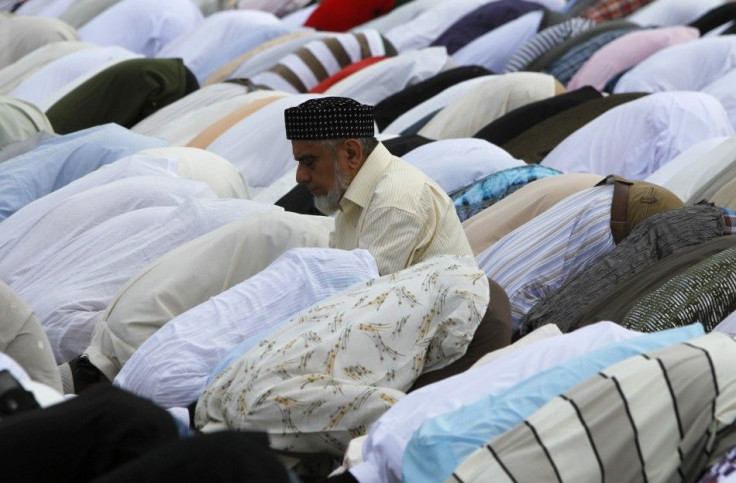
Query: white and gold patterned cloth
x=334 y=368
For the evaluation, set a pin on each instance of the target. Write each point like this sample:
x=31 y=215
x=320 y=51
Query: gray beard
x=329 y=203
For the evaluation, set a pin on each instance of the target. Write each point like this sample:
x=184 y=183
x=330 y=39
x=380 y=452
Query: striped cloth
x=654 y=417
x=729 y=220
x=545 y=41
x=706 y=293
x=537 y=258
x=302 y=70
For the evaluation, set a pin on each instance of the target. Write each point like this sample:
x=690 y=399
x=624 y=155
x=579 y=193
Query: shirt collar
x=364 y=184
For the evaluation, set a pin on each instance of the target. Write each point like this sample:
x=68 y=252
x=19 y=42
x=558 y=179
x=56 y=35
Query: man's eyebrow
x=305 y=157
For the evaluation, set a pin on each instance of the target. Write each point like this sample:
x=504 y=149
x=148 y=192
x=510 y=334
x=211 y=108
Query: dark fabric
x=343 y=15
x=417 y=126
x=299 y=200
x=515 y=122
x=345 y=477
x=715 y=18
x=653 y=239
x=82 y=438
x=544 y=60
x=124 y=93
x=482 y=20
x=579 y=6
x=329 y=118
x=534 y=144
x=389 y=109
x=218 y=457
x=403 y=144
x=617 y=301
x=493 y=333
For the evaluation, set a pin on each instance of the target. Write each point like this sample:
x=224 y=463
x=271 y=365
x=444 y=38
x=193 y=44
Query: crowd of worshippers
x=376 y=241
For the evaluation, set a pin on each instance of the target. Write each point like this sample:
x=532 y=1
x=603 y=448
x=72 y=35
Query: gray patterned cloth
x=704 y=293
x=652 y=240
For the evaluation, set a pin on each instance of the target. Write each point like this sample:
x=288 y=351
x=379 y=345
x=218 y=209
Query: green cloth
x=124 y=93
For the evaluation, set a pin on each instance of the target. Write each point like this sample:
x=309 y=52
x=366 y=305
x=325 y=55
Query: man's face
x=319 y=168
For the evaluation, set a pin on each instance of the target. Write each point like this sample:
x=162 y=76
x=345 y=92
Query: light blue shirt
x=442 y=443
x=56 y=162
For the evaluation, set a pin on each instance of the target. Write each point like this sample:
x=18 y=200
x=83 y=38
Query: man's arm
x=394 y=237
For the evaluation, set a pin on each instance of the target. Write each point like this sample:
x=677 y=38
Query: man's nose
x=302 y=174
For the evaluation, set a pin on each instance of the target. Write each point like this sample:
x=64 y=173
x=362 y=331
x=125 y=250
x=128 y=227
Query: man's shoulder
x=402 y=184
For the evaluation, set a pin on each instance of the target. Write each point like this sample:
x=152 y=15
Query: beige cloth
x=191 y=274
x=198 y=99
x=12 y=75
x=294 y=39
x=500 y=219
x=82 y=11
x=489 y=101
x=398 y=214
x=192 y=163
x=726 y=196
x=23 y=339
x=20 y=120
x=22 y=35
x=212 y=132
x=182 y=131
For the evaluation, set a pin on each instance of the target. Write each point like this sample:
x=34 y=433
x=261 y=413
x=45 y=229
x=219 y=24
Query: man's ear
x=354 y=152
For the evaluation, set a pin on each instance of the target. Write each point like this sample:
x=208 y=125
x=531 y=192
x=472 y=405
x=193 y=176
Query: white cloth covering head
x=70 y=288
x=17 y=226
x=457 y=163
x=261 y=163
x=487 y=102
x=220 y=38
x=494 y=49
x=55 y=75
x=142 y=26
x=24 y=67
x=383 y=79
x=219 y=260
x=690 y=66
x=722 y=89
x=688 y=157
x=173 y=366
x=635 y=139
x=703 y=171
x=387 y=440
x=193 y=163
x=672 y=12
x=276 y=7
x=21 y=35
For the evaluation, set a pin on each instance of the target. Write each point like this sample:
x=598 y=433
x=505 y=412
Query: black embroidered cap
x=329 y=118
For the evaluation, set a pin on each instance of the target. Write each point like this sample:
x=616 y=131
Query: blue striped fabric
x=534 y=260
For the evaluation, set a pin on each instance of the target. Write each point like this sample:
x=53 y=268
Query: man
x=384 y=205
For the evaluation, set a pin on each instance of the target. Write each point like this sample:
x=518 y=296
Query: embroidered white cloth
x=333 y=369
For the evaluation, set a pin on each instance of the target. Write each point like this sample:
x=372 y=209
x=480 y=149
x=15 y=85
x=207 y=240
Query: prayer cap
x=329 y=118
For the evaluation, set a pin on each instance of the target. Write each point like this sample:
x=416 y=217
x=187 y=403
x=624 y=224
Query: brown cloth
x=726 y=196
x=634 y=202
x=493 y=332
x=536 y=143
x=124 y=93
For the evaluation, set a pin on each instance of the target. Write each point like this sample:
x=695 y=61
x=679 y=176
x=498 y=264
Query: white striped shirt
x=397 y=213
x=534 y=260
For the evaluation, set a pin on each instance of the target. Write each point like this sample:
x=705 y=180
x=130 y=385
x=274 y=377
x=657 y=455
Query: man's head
x=331 y=138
